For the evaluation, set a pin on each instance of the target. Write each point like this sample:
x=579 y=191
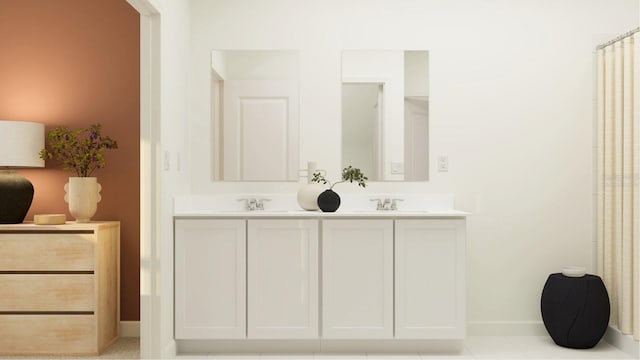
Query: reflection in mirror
x=361 y=104
x=254 y=110
x=385 y=113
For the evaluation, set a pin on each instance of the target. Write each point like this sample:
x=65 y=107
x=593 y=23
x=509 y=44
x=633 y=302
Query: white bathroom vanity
x=278 y=280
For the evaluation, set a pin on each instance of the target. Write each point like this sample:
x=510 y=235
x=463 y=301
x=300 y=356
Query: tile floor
x=476 y=347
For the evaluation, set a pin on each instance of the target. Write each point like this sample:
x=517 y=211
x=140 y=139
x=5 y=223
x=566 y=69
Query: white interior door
x=260 y=127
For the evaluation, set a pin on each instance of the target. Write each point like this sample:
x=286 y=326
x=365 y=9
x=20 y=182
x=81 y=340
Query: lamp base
x=16 y=194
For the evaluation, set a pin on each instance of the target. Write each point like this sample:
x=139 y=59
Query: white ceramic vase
x=83 y=196
x=308 y=196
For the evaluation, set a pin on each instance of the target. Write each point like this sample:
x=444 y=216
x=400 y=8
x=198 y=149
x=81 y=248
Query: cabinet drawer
x=44 y=292
x=46 y=252
x=47 y=334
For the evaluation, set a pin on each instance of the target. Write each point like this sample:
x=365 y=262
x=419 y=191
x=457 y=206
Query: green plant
x=80 y=151
x=349 y=174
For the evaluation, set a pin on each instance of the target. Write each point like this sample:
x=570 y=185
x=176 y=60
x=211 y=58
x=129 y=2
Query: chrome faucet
x=252 y=204
x=260 y=203
x=378 y=204
x=394 y=203
x=386 y=204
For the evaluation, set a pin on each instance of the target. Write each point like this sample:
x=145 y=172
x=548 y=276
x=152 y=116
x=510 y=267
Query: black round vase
x=575 y=310
x=329 y=201
x=16 y=194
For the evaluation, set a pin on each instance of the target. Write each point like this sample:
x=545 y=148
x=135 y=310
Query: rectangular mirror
x=385 y=113
x=254 y=109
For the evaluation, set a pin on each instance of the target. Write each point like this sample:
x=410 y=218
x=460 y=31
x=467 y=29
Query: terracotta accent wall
x=75 y=63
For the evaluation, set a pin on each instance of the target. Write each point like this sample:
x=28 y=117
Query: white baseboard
x=623 y=342
x=170 y=350
x=129 y=328
x=613 y=336
x=505 y=328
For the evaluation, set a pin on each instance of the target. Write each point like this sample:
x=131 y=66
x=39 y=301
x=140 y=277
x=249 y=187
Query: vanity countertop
x=320 y=214
x=286 y=206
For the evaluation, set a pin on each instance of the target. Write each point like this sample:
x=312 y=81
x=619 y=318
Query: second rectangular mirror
x=385 y=113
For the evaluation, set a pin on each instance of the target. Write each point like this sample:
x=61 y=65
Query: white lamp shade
x=20 y=144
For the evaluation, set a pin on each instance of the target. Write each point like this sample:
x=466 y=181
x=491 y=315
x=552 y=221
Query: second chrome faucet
x=387 y=204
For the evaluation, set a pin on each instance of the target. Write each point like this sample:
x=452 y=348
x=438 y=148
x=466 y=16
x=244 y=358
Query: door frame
x=150 y=177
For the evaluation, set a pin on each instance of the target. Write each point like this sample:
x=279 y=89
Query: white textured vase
x=83 y=196
x=308 y=196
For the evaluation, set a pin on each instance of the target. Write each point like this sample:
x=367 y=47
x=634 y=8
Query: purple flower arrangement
x=80 y=151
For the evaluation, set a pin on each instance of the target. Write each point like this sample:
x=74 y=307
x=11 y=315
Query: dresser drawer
x=47 y=334
x=46 y=292
x=46 y=252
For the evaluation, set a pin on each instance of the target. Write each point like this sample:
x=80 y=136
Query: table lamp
x=20 y=145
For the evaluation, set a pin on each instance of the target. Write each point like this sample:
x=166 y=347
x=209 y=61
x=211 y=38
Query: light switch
x=166 y=162
x=443 y=163
x=397 y=168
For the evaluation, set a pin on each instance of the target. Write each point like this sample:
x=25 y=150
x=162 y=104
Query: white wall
x=260 y=65
x=416 y=73
x=510 y=104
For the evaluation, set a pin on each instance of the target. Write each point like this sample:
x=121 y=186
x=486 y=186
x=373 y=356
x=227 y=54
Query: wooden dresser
x=59 y=288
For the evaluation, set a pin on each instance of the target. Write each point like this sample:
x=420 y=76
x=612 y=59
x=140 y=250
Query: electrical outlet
x=443 y=163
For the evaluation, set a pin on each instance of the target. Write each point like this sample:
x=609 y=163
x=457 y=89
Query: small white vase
x=308 y=196
x=83 y=196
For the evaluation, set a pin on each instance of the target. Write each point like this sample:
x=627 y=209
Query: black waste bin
x=575 y=310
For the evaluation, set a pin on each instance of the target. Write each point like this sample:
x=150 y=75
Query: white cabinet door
x=357 y=279
x=430 y=279
x=282 y=279
x=210 y=279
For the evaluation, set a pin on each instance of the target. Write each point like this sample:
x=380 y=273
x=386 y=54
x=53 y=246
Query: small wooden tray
x=49 y=219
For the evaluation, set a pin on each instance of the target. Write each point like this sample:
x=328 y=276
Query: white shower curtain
x=618 y=169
